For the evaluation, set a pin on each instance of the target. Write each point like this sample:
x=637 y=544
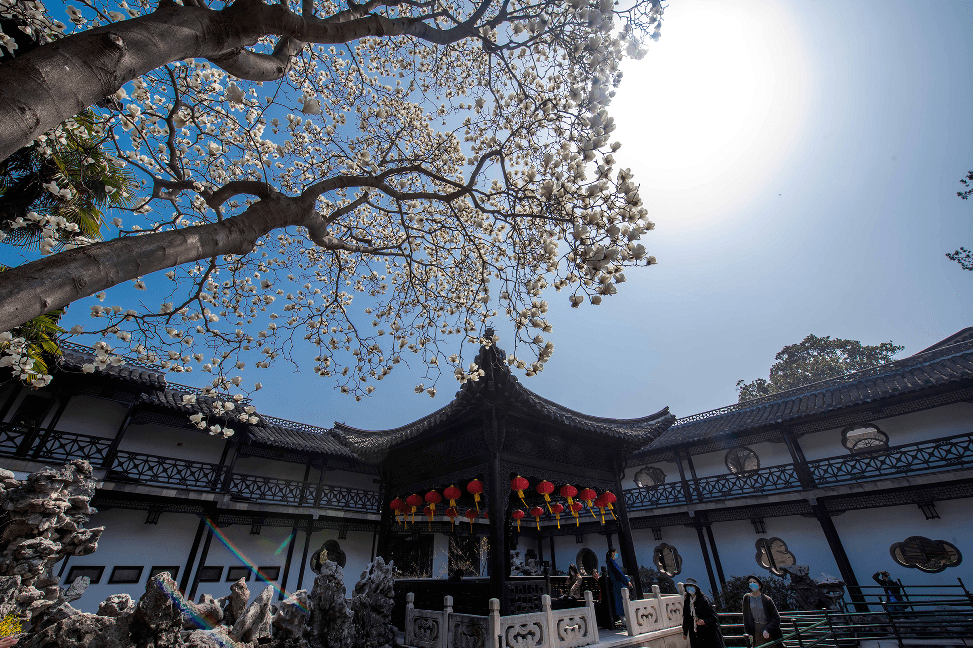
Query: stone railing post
x=550 y=628
x=627 y=613
x=410 y=600
x=681 y=589
x=448 y=605
x=589 y=603
x=493 y=621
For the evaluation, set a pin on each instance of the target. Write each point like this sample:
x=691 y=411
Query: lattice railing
x=65 y=446
x=773 y=478
x=269 y=489
x=661 y=495
x=10 y=438
x=945 y=453
x=925 y=456
x=152 y=469
x=350 y=499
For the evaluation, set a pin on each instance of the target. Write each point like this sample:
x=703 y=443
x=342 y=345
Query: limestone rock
x=254 y=622
x=116 y=605
x=205 y=615
x=77 y=588
x=371 y=604
x=82 y=631
x=330 y=623
x=291 y=617
x=215 y=638
x=236 y=602
x=157 y=619
x=9 y=588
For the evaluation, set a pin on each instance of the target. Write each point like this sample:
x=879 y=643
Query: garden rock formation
x=45 y=521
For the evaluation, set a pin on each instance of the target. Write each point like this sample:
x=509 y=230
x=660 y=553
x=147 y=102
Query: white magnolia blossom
x=447 y=187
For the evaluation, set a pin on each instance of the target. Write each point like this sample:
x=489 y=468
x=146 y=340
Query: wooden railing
x=945 y=453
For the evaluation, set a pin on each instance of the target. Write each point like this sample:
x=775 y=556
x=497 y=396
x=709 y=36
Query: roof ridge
x=922 y=357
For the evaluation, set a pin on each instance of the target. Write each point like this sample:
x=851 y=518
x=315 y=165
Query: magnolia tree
x=357 y=182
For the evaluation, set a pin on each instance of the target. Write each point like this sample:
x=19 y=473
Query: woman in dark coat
x=761 y=621
x=617 y=580
x=699 y=621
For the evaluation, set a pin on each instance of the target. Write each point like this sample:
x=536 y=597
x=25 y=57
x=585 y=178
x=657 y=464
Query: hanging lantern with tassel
x=470 y=515
x=557 y=508
x=397 y=506
x=433 y=498
x=601 y=504
x=518 y=515
x=609 y=498
x=576 y=507
x=545 y=488
x=537 y=512
x=429 y=512
x=452 y=494
x=414 y=502
x=475 y=488
x=451 y=513
x=519 y=484
x=587 y=496
x=568 y=492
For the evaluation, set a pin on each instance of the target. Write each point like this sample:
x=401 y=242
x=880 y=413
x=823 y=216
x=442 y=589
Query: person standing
x=761 y=621
x=574 y=582
x=699 y=622
x=616 y=580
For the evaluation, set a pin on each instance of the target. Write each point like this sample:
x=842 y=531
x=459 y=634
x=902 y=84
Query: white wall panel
x=178 y=443
x=90 y=415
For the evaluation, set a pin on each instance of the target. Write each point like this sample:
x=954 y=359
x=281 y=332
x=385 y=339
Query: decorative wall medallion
x=525 y=635
x=425 y=630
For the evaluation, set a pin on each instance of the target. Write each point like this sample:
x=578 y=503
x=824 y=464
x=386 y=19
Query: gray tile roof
x=939 y=365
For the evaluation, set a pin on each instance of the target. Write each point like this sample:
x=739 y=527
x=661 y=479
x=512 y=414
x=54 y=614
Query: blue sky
x=800 y=160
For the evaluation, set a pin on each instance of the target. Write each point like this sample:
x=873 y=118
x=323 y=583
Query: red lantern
x=451 y=514
x=486 y=515
x=414 y=502
x=519 y=484
x=518 y=515
x=587 y=496
x=452 y=494
x=537 y=512
x=397 y=505
x=428 y=512
x=609 y=498
x=568 y=491
x=433 y=498
x=545 y=488
x=470 y=515
x=575 y=508
x=601 y=504
x=557 y=508
x=475 y=488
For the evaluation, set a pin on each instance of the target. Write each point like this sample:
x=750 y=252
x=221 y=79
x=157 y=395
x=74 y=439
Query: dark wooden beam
x=287 y=563
x=190 y=561
x=112 y=451
x=706 y=560
x=838 y=551
x=625 y=538
x=202 y=561
x=307 y=545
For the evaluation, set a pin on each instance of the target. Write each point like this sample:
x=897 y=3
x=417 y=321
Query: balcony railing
x=946 y=453
x=135 y=467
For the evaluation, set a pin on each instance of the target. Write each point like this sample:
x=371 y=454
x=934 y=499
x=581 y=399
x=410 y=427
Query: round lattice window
x=930 y=556
x=742 y=461
x=667 y=559
x=649 y=477
x=864 y=437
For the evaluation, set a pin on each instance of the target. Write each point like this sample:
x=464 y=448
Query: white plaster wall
x=868 y=534
x=908 y=428
x=99 y=417
x=238 y=548
x=736 y=543
x=165 y=441
x=714 y=463
x=128 y=541
x=566 y=547
x=263 y=467
x=350 y=479
x=668 y=467
x=358 y=554
x=686 y=542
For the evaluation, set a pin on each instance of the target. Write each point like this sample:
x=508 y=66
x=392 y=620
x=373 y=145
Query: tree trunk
x=55 y=281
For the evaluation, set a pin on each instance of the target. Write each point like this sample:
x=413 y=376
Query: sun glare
x=720 y=98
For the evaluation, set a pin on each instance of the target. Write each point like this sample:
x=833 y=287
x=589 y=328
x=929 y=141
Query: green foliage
x=650 y=577
x=74 y=160
x=778 y=589
x=968 y=183
x=963 y=256
x=813 y=359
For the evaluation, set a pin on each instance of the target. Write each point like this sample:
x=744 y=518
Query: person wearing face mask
x=761 y=621
x=699 y=622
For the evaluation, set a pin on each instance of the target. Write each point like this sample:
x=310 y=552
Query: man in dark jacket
x=761 y=621
x=699 y=621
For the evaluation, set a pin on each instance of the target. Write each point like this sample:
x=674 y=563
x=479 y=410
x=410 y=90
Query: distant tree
x=650 y=577
x=816 y=358
x=963 y=256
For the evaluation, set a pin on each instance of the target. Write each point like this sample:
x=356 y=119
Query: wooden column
x=686 y=490
x=706 y=560
x=800 y=462
x=5 y=408
x=385 y=521
x=625 y=538
x=234 y=450
x=307 y=545
x=187 y=571
x=838 y=551
x=553 y=555
x=202 y=561
x=287 y=564
x=692 y=472
x=497 y=498
x=716 y=554
x=49 y=430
